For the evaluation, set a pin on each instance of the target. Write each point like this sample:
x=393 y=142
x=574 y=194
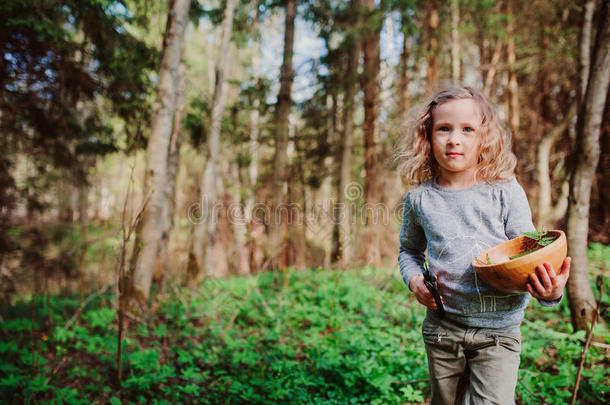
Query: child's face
x=456 y=137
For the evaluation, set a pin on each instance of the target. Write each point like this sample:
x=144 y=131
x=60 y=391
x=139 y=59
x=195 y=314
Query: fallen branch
x=239 y=307
x=267 y=308
x=84 y=304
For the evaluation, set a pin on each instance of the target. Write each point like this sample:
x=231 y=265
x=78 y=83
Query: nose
x=454 y=138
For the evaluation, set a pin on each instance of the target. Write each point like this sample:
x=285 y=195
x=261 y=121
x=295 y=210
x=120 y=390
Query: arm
x=411 y=256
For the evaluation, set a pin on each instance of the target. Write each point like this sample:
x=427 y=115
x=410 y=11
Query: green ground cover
x=300 y=337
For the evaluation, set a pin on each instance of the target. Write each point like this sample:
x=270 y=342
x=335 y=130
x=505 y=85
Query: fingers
x=427 y=299
x=565 y=268
x=545 y=283
x=536 y=282
x=530 y=289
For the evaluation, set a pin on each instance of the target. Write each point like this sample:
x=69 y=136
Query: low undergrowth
x=299 y=337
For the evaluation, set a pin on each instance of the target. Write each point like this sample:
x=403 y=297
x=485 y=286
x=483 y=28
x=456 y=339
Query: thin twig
x=600 y=286
x=56 y=369
x=269 y=311
x=84 y=303
x=241 y=304
x=411 y=382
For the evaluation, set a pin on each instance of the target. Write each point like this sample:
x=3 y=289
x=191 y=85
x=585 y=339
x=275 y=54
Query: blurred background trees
x=267 y=141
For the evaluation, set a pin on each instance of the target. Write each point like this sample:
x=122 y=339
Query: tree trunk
x=455 y=42
x=432 y=48
x=403 y=81
x=204 y=237
x=493 y=69
x=548 y=213
x=343 y=212
x=150 y=231
x=585 y=45
x=581 y=298
x=173 y=163
x=253 y=128
x=513 y=88
x=239 y=225
x=370 y=85
x=277 y=249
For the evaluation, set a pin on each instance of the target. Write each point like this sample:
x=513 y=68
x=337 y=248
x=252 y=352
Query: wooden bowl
x=512 y=275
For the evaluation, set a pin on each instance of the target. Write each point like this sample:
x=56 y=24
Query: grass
x=305 y=337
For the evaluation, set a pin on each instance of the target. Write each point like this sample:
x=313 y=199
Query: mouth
x=453 y=154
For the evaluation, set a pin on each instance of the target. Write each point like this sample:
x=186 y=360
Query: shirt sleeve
x=546 y=303
x=412 y=242
x=518 y=217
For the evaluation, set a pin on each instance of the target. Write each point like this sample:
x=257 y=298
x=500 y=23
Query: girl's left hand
x=547 y=285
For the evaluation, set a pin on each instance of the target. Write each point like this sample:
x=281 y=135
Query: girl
x=467 y=201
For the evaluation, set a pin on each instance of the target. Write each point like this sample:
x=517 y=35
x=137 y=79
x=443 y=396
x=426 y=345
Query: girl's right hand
x=423 y=295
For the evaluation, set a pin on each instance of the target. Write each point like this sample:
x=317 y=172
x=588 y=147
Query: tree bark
x=548 y=213
x=371 y=90
x=173 y=163
x=150 y=231
x=343 y=211
x=239 y=225
x=403 y=81
x=585 y=45
x=432 y=47
x=513 y=88
x=581 y=298
x=493 y=68
x=204 y=237
x=277 y=249
x=253 y=128
x=455 y=42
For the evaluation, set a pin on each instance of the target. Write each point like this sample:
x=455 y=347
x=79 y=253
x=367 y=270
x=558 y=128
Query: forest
x=200 y=201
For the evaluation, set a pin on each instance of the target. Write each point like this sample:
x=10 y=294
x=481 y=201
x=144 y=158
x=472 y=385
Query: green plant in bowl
x=542 y=239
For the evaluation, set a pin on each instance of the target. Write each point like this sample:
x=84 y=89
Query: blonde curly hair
x=416 y=163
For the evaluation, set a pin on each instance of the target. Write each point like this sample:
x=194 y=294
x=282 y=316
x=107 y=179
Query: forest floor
x=301 y=337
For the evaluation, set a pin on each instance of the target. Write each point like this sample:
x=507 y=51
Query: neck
x=457 y=180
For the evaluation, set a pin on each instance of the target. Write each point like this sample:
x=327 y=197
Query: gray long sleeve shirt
x=455 y=226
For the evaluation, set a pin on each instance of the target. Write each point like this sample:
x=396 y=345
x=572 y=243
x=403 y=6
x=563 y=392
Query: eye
x=468 y=129
x=443 y=128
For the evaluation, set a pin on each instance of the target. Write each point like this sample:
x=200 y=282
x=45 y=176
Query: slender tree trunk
x=513 y=88
x=296 y=232
x=83 y=206
x=581 y=299
x=150 y=231
x=239 y=224
x=403 y=81
x=371 y=88
x=204 y=237
x=334 y=164
x=173 y=163
x=253 y=145
x=455 y=42
x=493 y=69
x=277 y=248
x=547 y=212
x=585 y=45
x=345 y=196
x=432 y=47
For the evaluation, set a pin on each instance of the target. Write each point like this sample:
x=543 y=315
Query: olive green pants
x=471 y=365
